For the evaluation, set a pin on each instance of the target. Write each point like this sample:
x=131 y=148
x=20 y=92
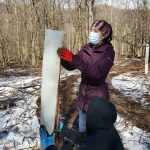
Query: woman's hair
x=105 y=28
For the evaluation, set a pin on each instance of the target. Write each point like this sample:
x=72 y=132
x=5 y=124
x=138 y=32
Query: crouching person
x=101 y=133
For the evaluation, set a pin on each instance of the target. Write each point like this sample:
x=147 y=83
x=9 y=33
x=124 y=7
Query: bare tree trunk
x=23 y=23
x=90 y=14
x=17 y=31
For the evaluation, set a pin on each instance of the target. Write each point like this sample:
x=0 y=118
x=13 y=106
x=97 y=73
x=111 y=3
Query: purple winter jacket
x=94 y=64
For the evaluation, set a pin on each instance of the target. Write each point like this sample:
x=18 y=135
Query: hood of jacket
x=101 y=115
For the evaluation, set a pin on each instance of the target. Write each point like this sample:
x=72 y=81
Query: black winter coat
x=101 y=134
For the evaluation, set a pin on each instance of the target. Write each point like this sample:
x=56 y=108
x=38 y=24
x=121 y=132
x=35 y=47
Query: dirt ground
x=126 y=107
x=132 y=111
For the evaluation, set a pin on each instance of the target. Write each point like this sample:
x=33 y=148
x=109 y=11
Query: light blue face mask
x=94 y=38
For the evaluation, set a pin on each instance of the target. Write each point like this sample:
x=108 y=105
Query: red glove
x=65 y=54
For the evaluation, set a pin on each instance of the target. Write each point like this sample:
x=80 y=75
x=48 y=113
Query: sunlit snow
x=19 y=125
x=137 y=87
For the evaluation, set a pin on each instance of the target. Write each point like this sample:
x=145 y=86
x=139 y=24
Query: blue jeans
x=82 y=121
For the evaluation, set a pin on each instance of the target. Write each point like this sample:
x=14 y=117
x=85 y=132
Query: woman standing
x=94 y=60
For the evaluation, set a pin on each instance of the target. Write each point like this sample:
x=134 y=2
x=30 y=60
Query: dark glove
x=46 y=139
x=65 y=54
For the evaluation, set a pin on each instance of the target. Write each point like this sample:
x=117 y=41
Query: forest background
x=23 y=23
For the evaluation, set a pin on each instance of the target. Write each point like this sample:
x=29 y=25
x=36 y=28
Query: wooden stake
x=57 y=118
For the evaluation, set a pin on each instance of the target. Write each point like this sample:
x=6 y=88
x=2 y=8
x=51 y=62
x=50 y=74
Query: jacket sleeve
x=70 y=66
x=98 y=70
x=73 y=135
x=67 y=65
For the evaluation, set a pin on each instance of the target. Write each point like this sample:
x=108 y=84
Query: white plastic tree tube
x=50 y=78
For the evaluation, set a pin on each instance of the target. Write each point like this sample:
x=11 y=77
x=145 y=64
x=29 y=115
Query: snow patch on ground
x=137 y=87
x=129 y=61
x=133 y=138
x=19 y=126
x=65 y=73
